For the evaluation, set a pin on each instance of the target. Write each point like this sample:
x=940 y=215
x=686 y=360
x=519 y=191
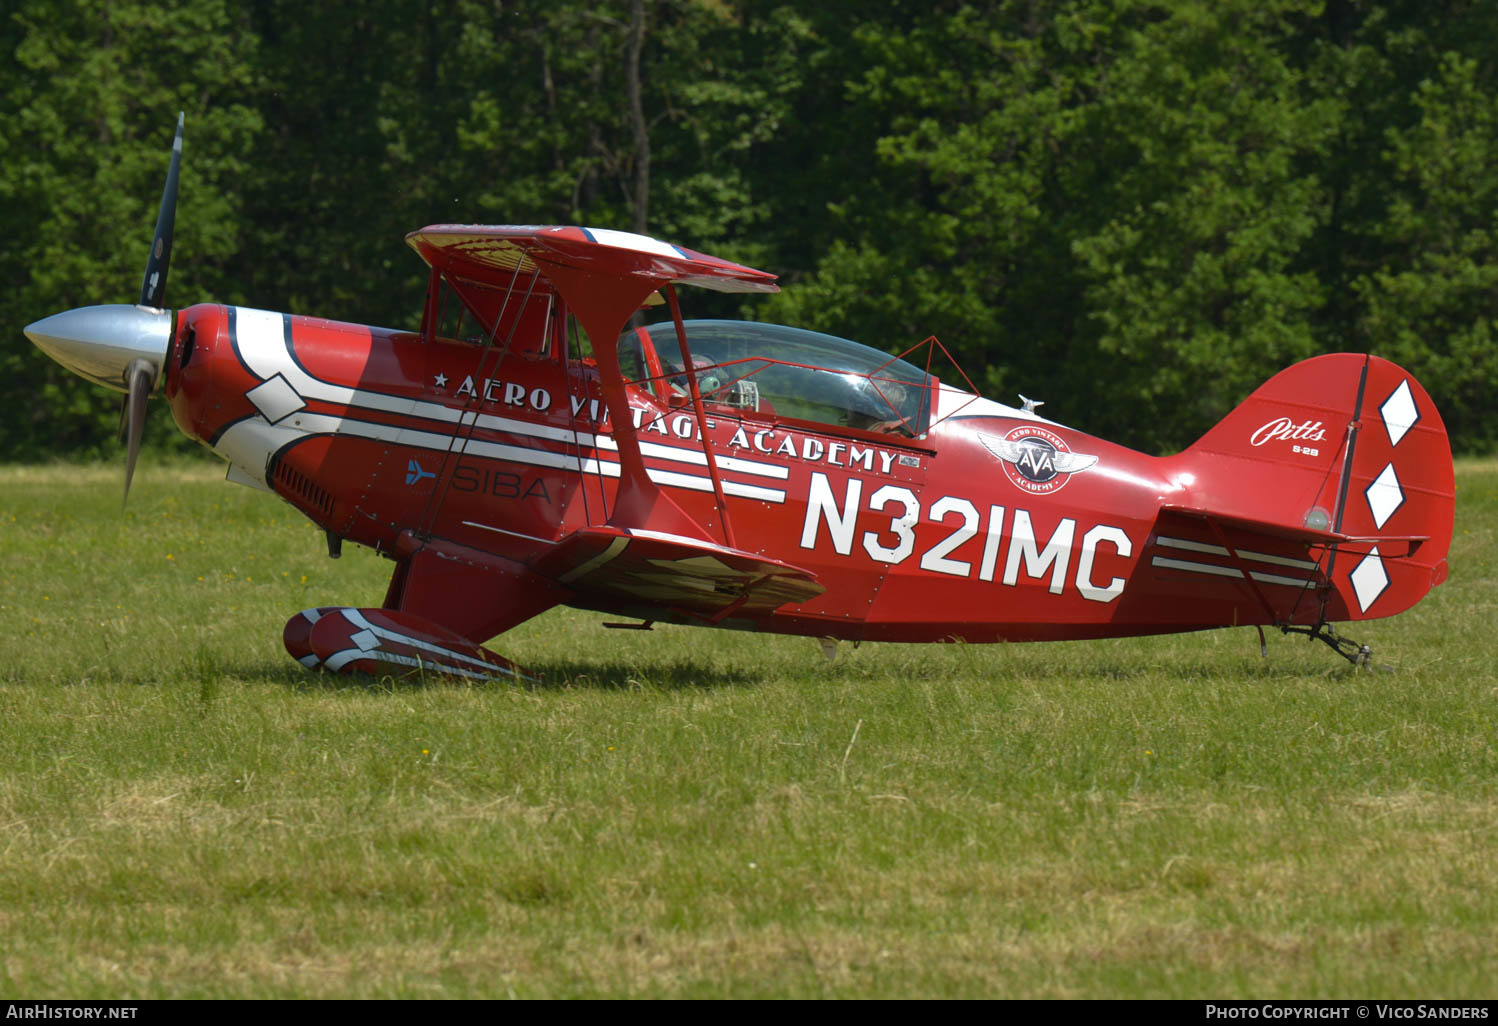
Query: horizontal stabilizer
x=1291 y=532
x=655 y=575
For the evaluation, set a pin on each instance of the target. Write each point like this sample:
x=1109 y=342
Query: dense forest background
x=1134 y=209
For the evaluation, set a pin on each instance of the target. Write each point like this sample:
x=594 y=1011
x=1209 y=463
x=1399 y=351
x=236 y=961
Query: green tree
x=1135 y=210
x=640 y=115
x=1108 y=215
x=1433 y=305
x=361 y=106
x=1140 y=210
x=94 y=90
x=1195 y=282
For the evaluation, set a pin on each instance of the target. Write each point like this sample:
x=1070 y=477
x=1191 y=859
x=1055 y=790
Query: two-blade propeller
x=153 y=285
x=140 y=376
x=118 y=346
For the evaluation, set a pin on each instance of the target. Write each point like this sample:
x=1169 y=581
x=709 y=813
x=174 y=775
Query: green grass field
x=184 y=812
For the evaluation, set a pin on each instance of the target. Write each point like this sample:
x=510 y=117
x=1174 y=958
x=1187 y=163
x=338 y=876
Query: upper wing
x=493 y=253
x=603 y=277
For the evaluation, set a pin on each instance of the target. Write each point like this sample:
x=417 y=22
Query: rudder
x=1347 y=454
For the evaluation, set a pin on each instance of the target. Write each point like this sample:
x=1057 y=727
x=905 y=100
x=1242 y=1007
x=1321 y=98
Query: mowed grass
x=185 y=812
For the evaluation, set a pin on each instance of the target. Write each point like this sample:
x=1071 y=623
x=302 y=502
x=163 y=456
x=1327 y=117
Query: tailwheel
x=1360 y=656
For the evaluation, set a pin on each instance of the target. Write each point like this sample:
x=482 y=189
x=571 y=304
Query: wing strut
x=468 y=422
x=603 y=304
x=707 y=444
x=603 y=277
x=1351 y=448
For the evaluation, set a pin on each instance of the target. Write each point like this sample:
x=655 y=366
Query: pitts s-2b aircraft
x=528 y=447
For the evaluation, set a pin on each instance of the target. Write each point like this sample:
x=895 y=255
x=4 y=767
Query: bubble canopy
x=790 y=372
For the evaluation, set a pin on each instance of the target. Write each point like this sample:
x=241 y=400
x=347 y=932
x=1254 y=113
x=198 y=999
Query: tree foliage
x=1135 y=209
x=93 y=90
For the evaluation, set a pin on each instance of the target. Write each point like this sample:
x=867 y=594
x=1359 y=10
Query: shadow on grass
x=682 y=675
x=553 y=675
x=1207 y=667
x=1096 y=662
x=1222 y=672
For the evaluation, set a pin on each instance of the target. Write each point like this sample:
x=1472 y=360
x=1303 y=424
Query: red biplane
x=527 y=447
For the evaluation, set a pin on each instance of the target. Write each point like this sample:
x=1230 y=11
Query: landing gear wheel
x=1360 y=656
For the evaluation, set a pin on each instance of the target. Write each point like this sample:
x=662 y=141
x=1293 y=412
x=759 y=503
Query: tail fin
x=1327 y=495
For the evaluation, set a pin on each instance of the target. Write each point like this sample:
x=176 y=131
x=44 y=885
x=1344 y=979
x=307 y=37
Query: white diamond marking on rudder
x=1369 y=579
x=1399 y=412
x=1384 y=496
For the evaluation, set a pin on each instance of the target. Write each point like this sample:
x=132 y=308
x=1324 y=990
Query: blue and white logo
x=414 y=473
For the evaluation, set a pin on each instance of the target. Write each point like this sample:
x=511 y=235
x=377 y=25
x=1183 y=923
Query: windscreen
x=800 y=374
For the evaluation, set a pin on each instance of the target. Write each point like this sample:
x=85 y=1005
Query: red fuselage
x=372 y=433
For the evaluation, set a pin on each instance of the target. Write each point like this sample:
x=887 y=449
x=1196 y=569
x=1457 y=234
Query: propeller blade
x=153 y=286
x=139 y=379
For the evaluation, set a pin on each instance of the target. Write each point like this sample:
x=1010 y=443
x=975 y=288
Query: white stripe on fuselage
x=261 y=335
x=261 y=339
x=249 y=443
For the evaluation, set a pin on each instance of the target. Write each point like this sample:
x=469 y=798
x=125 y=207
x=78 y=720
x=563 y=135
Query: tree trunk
x=641 y=198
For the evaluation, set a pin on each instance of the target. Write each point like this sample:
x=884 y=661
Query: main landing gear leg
x=1358 y=655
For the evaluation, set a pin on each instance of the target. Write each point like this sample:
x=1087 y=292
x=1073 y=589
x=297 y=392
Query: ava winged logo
x=1037 y=460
